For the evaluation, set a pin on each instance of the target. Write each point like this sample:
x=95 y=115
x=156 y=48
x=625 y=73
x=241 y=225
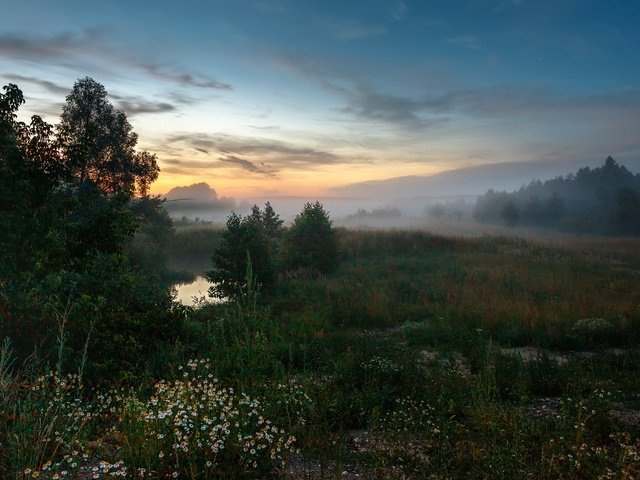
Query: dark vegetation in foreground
x=396 y=355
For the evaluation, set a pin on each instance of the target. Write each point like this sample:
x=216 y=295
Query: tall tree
x=99 y=143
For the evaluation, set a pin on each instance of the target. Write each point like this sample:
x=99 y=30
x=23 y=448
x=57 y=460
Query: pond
x=185 y=292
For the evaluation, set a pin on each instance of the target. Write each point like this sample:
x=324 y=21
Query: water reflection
x=191 y=294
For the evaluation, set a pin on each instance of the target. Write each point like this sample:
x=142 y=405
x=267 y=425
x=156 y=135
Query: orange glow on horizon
x=239 y=184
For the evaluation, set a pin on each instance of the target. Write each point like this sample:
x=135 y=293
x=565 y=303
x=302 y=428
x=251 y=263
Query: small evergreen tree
x=311 y=240
x=253 y=238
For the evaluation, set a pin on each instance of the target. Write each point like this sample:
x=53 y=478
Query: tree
x=99 y=143
x=510 y=214
x=29 y=173
x=311 y=240
x=624 y=215
x=245 y=239
x=65 y=219
x=271 y=221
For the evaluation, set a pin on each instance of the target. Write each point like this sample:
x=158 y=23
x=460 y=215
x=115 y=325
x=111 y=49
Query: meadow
x=421 y=356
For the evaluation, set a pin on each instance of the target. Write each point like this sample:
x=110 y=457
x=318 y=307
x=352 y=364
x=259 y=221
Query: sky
x=297 y=97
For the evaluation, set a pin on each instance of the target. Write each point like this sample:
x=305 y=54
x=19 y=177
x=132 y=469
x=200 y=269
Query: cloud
x=257 y=155
x=507 y=100
x=46 y=84
x=265 y=127
x=434 y=109
x=131 y=105
x=329 y=73
x=371 y=105
x=198 y=81
x=178 y=165
x=141 y=106
x=39 y=47
x=418 y=111
x=90 y=45
x=262 y=168
x=350 y=29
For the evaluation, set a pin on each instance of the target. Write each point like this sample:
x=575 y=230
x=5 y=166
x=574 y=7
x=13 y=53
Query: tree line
x=603 y=200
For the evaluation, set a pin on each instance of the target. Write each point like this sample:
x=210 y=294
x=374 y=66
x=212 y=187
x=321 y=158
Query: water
x=198 y=288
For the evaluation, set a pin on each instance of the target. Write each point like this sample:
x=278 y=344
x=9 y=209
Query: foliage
x=246 y=239
x=148 y=250
x=66 y=220
x=310 y=244
x=419 y=356
x=99 y=144
x=201 y=429
x=599 y=200
x=311 y=240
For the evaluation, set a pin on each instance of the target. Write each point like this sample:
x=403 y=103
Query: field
x=422 y=356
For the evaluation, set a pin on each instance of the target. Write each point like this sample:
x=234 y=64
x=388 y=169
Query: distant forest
x=603 y=200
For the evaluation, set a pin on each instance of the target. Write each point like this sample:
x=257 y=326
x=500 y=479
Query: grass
x=423 y=356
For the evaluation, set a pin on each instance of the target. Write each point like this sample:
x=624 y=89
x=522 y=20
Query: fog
x=600 y=200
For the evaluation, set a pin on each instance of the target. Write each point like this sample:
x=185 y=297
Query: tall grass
x=399 y=365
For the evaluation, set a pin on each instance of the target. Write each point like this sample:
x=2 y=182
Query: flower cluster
x=619 y=458
x=62 y=419
x=196 y=425
x=380 y=365
x=291 y=399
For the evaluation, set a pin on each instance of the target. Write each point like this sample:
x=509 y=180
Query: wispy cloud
x=138 y=107
x=46 y=84
x=389 y=108
x=192 y=80
x=248 y=165
x=265 y=127
x=89 y=46
x=425 y=110
x=191 y=164
x=256 y=155
x=35 y=47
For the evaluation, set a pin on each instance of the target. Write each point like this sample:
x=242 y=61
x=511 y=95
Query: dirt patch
x=530 y=354
x=626 y=416
x=545 y=407
x=301 y=468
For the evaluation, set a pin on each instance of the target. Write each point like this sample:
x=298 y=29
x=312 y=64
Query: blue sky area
x=286 y=97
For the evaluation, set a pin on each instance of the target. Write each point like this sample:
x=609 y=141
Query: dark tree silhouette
x=244 y=239
x=99 y=143
x=65 y=221
x=598 y=200
x=510 y=214
x=624 y=214
x=311 y=240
